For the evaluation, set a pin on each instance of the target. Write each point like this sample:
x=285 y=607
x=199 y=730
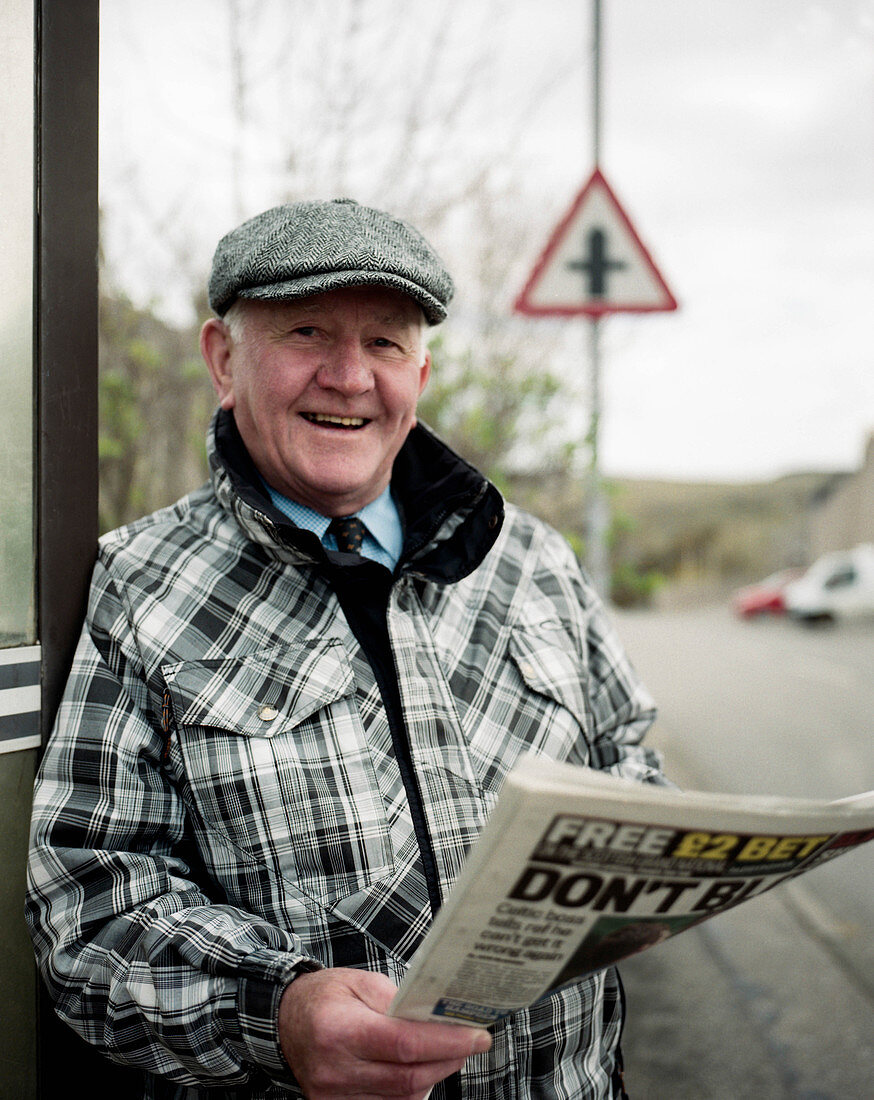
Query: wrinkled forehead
x=366 y=303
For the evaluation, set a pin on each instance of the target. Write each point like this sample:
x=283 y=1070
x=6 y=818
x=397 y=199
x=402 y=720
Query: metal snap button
x=267 y=714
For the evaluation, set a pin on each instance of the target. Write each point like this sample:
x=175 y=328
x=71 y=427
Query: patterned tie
x=349 y=533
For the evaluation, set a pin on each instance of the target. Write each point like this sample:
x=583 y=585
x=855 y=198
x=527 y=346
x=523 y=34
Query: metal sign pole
x=597 y=513
x=596 y=81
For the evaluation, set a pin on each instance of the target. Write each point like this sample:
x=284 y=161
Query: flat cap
x=305 y=248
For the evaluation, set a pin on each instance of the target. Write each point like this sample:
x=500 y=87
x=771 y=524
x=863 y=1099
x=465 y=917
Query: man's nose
x=345 y=369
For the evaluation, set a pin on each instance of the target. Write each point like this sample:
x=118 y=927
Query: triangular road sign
x=594 y=263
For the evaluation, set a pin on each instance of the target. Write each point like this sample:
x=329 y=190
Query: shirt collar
x=380 y=517
x=383 y=521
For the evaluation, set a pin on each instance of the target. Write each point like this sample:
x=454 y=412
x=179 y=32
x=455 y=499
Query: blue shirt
x=383 y=541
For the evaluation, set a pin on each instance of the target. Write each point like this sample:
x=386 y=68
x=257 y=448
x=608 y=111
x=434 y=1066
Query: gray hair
x=234 y=320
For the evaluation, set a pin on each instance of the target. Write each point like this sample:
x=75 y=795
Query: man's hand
x=339 y=1043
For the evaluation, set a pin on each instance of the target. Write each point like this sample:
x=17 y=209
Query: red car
x=766 y=597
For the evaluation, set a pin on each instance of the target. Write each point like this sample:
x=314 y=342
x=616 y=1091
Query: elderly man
x=295 y=697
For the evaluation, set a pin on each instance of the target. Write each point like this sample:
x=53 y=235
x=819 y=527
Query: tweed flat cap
x=307 y=248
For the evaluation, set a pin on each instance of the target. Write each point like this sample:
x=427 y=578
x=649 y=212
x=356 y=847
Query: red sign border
x=522 y=303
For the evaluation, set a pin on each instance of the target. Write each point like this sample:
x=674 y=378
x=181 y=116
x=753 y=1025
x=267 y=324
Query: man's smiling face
x=323 y=389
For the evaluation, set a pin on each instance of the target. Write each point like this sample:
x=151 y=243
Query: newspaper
x=576 y=870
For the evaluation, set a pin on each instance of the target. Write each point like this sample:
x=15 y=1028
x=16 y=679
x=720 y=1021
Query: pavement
x=773 y=1000
x=753 y=1003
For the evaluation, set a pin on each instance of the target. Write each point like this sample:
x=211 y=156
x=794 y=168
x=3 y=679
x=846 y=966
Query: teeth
x=344 y=421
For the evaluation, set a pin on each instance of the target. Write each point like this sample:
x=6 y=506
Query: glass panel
x=17 y=618
x=17 y=584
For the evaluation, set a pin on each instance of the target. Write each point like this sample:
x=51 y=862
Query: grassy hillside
x=719 y=534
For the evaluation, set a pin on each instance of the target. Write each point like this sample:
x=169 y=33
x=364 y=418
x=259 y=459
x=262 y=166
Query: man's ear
x=215 y=347
x=424 y=372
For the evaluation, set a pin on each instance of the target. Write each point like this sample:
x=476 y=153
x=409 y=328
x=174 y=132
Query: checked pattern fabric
x=349 y=533
x=221 y=799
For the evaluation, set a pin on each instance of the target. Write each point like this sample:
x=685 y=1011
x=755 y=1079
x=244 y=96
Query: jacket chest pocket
x=552 y=716
x=275 y=757
x=535 y=704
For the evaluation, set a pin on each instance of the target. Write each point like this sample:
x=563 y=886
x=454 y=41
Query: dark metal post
x=66 y=342
x=66 y=252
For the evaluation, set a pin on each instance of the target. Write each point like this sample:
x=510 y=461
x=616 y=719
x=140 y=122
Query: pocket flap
x=549 y=668
x=263 y=693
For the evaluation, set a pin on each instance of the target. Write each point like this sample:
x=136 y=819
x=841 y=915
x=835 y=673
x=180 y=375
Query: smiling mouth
x=325 y=420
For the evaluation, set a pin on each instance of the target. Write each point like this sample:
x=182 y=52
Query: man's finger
x=406 y=1042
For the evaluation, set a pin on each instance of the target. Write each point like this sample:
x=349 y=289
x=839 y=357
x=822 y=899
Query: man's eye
x=383 y=342
x=305 y=330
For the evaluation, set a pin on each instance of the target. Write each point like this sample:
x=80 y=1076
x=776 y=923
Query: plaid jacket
x=220 y=799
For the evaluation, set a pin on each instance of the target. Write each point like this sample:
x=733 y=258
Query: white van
x=837 y=585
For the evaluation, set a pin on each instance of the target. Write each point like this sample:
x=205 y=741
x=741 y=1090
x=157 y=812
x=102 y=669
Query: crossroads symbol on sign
x=598 y=265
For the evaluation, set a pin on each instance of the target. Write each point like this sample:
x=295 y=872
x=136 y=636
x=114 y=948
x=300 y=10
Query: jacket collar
x=452 y=514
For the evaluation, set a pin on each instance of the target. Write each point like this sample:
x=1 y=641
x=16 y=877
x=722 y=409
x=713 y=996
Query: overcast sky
x=738 y=135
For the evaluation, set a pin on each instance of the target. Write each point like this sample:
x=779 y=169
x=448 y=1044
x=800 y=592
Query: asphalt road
x=774 y=999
